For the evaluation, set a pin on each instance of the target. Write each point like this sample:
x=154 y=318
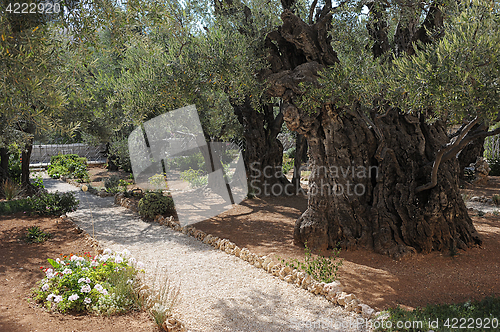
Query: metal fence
x=41 y=153
x=492 y=147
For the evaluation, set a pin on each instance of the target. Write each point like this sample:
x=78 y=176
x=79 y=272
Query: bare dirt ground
x=20 y=264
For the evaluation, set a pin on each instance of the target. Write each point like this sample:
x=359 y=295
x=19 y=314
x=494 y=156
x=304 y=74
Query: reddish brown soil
x=20 y=270
x=265 y=226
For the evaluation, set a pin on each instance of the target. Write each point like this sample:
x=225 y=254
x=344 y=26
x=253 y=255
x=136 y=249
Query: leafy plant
x=158 y=181
x=321 y=268
x=154 y=203
x=287 y=166
x=290 y=153
x=35 y=234
x=476 y=314
x=38 y=182
x=122 y=184
x=196 y=178
x=103 y=284
x=54 y=203
x=183 y=163
x=69 y=164
x=18 y=205
x=111 y=184
x=11 y=189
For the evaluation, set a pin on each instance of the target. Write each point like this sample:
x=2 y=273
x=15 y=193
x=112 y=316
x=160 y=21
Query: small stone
x=343 y=299
x=334 y=287
x=306 y=281
x=352 y=305
x=366 y=311
x=237 y=251
x=207 y=239
x=289 y=279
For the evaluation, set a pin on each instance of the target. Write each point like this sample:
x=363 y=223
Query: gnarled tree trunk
x=263 y=153
x=365 y=169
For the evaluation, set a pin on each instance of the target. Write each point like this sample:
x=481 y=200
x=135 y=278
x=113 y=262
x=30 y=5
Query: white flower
x=73 y=258
x=58 y=260
x=81 y=280
x=130 y=281
x=140 y=265
x=73 y=297
x=132 y=260
x=45 y=287
x=86 y=288
x=98 y=288
x=118 y=260
x=107 y=251
x=85 y=268
x=104 y=292
x=87 y=300
x=50 y=297
x=67 y=271
x=57 y=298
x=78 y=263
x=94 y=263
x=49 y=271
x=125 y=252
x=104 y=258
x=87 y=280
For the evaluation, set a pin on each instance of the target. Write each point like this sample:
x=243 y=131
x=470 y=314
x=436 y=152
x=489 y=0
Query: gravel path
x=219 y=292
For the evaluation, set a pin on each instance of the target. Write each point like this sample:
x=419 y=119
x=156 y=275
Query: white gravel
x=219 y=292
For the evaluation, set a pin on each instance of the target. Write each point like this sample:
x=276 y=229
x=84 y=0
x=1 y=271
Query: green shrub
x=69 y=164
x=154 y=203
x=194 y=177
x=53 y=203
x=183 y=163
x=14 y=206
x=35 y=234
x=119 y=155
x=494 y=166
x=104 y=284
x=321 y=268
x=287 y=166
x=473 y=315
x=158 y=181
x=290 y=153
x=37 y=182
x=111 y=184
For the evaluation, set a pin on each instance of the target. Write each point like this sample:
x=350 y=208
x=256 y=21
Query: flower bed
x=101 y=284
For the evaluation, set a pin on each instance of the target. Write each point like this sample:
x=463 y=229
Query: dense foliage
x=154 y=203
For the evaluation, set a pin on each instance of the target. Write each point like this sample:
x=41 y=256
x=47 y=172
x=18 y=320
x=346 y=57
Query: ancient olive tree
x=375 y=95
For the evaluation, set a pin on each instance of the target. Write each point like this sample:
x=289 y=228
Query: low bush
x=183 y=163
x=103 y=284
x=290 y=153
x=287 y=166
x=35 y=234
x=69 y=164
x=494 y=166
x=469 y=316
x=53 y=203
x=111 y=184
x=14 y=206
x=154 y=203
x=323 y=269
x=196 y=178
